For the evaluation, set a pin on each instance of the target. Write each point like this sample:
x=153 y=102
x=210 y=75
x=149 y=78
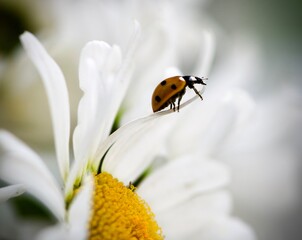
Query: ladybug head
x=200 y=80
x=191 y=80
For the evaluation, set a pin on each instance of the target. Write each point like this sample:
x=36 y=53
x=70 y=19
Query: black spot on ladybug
x=157 y=99
x=173 y=86
x=163 y=83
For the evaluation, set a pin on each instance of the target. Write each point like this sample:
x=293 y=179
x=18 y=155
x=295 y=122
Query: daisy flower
x=113 y=191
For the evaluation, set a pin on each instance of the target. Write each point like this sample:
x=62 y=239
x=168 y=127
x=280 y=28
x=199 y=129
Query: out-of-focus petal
x=99 y=64
x=191 y=215
x=181 y=180
x=11 y=191
x=19 y=164
x=57 y=94
x=104 y=78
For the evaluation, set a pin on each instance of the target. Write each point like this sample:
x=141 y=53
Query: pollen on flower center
x=119 y=213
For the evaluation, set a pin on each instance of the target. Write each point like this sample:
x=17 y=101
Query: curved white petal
x=20 y=165
x=129 y=128
x=11 y=191
x=188 y=217
x=127 y=158
x=133 y=152
x=180 y=180
x=127 y=168
x=104 y=79
x=57 y=94
x=99 y=63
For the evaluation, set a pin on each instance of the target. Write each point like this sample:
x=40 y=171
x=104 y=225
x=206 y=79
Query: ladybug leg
x=180 y=95
x=178 y=102
x=196 y=91
x=173 y=103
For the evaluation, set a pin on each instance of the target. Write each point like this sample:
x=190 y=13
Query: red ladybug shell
x=167 y=91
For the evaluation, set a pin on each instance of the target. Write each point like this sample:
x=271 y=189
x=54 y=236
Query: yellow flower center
x=119 y=213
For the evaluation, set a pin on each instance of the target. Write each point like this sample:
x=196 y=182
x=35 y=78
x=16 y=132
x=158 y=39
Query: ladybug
x=173 y=88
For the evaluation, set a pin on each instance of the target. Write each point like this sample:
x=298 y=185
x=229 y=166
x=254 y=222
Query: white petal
x=57 y=94
x=80 y=210
x=104 y=78
x=187 y=218
x=128 y=159
x=11 y=191
x=180 y=180
x=20 y=165
x=127 y=167
x=134 y=152
x=126 y=131
x=224 y=228
x=98 y=81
